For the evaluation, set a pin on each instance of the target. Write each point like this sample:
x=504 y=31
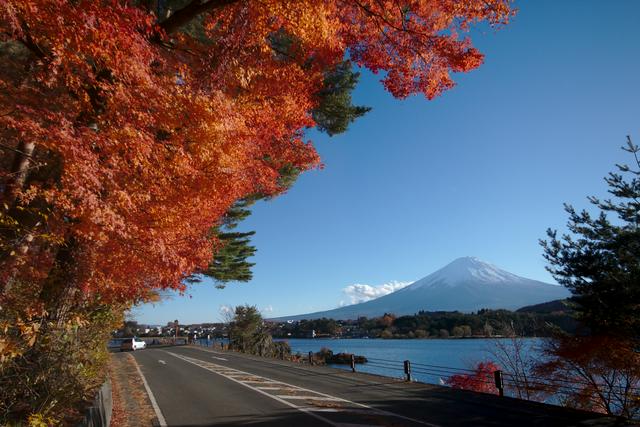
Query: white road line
x=357 y=425
x=219 y=358
x=161 y=421
x=323 y=399
x=162 y=361
x=269 y=388
x=296 y=388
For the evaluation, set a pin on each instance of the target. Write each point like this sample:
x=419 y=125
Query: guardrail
x=99 y=413
x=505 y=383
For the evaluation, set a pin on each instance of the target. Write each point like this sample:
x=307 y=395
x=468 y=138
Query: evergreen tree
x=230 y=262
x=248 y=334
x=335 y=111
x=233 y=248
x=245 y=328
x=600 y=260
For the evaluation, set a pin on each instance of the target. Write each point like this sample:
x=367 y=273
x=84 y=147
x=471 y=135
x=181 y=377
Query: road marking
x=240 y=375
x=219 y=358
x=162 y=361
x=357 y=425
x=314 y=409
x=318 y=398
x=161 y=421
x=307 y=411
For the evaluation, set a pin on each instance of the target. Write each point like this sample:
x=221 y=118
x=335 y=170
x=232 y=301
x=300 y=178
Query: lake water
x=432 y=360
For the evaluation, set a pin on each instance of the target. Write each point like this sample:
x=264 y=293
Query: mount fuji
x=466 y=284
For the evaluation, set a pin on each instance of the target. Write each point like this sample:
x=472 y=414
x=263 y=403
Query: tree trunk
x=60 y=287
x=19 y=171
x=18 y=175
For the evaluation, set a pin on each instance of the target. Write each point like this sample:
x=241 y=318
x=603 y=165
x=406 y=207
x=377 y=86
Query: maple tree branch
x=190 y=11
x=28 y=41
x=6 y=147
x=36 y=166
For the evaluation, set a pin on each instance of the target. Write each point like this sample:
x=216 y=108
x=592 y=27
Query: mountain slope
x=466 y=284
x=555 y=306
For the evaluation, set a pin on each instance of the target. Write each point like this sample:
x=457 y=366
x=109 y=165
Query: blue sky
x=483 y=170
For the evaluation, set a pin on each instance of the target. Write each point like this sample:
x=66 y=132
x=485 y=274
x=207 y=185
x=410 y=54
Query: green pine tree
x=336 y=111
x=599 y=261
x=233 y=248
x=230 y=263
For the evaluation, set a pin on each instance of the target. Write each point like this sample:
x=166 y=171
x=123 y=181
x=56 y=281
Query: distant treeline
x=484 y=323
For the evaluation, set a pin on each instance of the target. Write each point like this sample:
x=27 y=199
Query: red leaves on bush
x=482 y=380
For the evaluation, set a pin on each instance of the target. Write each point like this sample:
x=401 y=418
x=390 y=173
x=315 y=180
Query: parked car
x=132 y=344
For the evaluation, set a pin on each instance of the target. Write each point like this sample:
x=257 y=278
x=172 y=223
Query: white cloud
x=267 y=309
x=358 y=292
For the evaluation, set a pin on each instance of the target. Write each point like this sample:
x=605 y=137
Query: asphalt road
x=193 y=386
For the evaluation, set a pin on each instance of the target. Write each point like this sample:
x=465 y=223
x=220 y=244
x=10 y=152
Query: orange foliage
x=145 y=134
x=595 y=373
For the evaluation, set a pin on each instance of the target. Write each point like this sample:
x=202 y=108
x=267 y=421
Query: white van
x=132 y=344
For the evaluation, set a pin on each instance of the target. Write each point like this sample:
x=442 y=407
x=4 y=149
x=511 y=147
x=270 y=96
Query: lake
x=432 y=360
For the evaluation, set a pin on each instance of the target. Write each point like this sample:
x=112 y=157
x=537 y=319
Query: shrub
x=48 y=369
x=481 y=380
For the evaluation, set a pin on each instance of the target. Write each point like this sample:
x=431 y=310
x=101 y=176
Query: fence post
x=311 y=358
x=497 y=376
x=353 y=363
x=407 y=369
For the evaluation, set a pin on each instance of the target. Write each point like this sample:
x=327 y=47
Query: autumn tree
x=600 y=374
x=128 y=129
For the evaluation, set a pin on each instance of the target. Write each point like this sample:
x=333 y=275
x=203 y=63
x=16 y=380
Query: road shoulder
x=131 y=404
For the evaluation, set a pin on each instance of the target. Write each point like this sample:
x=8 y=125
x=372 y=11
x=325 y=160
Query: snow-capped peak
x=466 y=284
x=467 y=269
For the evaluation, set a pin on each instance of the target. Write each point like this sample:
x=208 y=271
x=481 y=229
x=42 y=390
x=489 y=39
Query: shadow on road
x=282 y=419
